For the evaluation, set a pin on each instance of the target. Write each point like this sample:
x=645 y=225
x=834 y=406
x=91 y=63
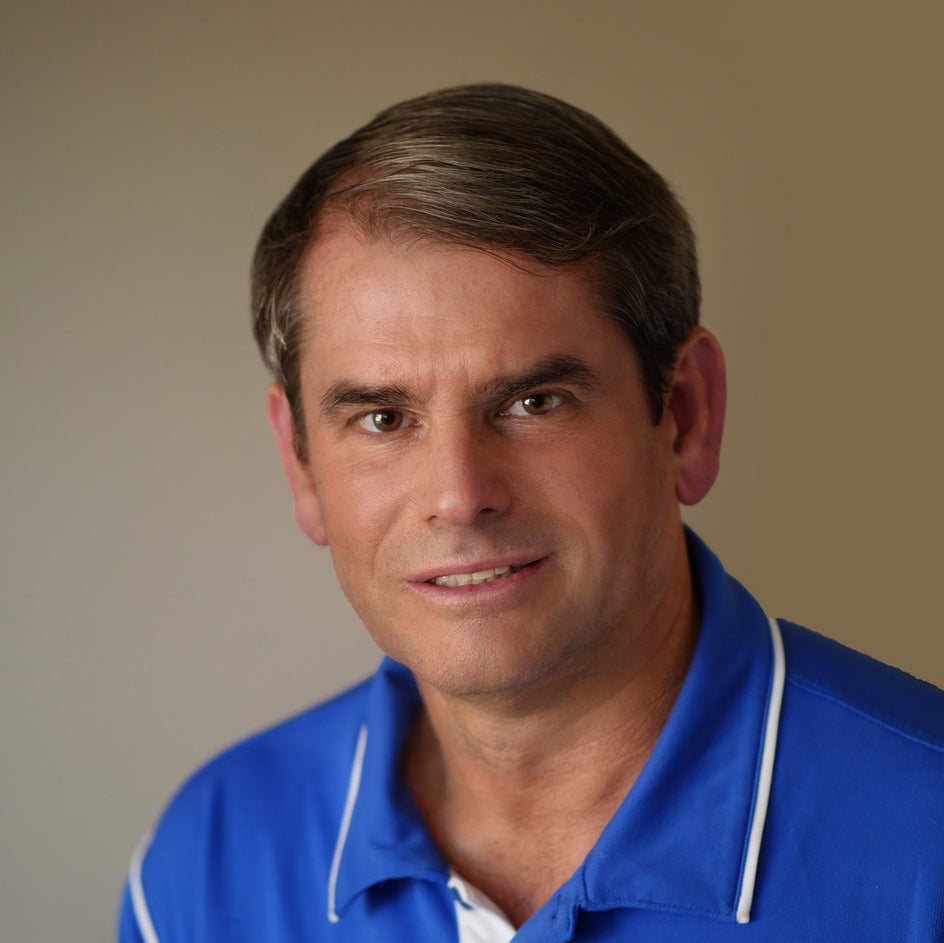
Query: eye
x=534 y=404
x=383 y=420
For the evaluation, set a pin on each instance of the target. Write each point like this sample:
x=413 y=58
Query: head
x=481 y=313
x=502 y=169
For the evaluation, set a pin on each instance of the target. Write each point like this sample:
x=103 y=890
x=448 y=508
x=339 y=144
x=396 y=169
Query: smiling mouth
x=454 y=580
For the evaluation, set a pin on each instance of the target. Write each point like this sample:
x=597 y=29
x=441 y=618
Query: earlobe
x=696 y=405
x=297 y=471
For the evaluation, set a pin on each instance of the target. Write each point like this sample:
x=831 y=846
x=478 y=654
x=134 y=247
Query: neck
x=524 y=785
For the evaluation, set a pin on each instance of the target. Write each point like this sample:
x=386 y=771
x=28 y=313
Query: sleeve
x=134 y=919
x=128 y=929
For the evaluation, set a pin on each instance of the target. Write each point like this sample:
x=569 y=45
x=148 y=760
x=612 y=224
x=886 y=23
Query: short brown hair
x=508 y=170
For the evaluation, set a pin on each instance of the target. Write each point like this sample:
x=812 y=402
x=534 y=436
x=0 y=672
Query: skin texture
x=465 y=412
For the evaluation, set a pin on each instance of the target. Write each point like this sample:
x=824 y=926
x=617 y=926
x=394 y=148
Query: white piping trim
x=353 y=786
x=759 y=815
x=138 y=901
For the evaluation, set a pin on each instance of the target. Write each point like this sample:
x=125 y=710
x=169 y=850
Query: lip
x=476 y=566
x=492 y=596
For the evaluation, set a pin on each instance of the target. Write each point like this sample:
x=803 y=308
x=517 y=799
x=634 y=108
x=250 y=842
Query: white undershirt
x=479 y=920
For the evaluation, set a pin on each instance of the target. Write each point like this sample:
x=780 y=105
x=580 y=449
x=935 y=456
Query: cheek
x=623 y=496
x=359 y=502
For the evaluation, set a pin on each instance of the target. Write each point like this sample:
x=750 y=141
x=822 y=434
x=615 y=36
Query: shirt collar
x=387 y=838
x=679 y=840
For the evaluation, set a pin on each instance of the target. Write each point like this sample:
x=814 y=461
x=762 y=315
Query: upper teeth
x=465 y=579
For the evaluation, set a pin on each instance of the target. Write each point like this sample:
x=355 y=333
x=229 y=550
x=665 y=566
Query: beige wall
x=156 y=600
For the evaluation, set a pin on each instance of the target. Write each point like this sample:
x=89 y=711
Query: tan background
x=157 y=601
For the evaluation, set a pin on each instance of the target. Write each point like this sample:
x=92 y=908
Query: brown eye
x=383 y=420
x=535 y=404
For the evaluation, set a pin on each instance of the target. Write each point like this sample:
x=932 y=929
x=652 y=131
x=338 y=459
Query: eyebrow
x=344 y=394
x=558 y=368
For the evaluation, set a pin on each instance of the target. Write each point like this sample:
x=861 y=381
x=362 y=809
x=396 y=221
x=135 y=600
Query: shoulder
x=264 y=771
x=267 y=805
x=319 y=736
x=867 y=692
x=861 y=742
x=857 y=799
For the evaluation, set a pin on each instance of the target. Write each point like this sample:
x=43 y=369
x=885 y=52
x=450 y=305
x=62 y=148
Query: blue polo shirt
x=796 y=793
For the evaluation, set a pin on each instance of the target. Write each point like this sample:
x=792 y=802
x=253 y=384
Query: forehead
x=389 y=308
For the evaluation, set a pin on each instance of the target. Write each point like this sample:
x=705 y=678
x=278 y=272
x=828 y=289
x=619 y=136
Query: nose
x=465 y=475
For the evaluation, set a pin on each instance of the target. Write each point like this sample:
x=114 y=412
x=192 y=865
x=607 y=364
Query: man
x=491 y=394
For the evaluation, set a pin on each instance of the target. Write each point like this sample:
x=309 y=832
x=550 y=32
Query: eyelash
x=364 y=420
x=556 y=398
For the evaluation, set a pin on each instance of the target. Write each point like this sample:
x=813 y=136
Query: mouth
x=476 y=577
x=473 y=579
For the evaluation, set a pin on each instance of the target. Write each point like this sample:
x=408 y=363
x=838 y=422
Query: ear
x=297 y=470
x=695 y=404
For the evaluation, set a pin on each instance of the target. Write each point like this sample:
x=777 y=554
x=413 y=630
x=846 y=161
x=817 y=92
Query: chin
x=483 y=670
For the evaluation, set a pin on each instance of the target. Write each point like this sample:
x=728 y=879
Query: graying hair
x=509 y=171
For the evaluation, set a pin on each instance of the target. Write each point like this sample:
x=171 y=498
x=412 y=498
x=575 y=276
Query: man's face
x=499 y=506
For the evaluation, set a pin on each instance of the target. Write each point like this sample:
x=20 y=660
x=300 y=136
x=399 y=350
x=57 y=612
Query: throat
x=516 y=796
x=515 y=838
